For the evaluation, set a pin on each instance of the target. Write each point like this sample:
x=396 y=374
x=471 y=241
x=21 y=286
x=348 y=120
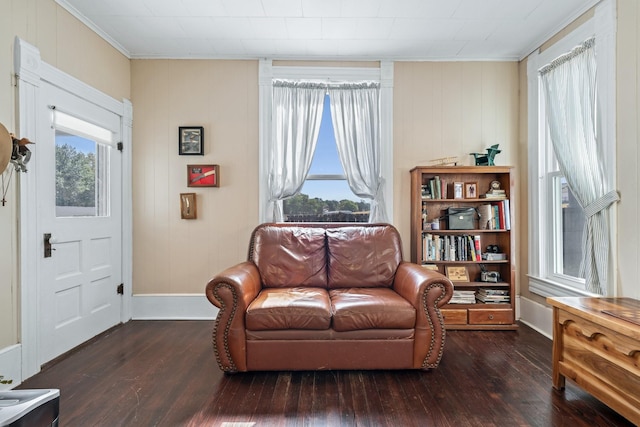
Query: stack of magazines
x=493 y=296
x=463 y=297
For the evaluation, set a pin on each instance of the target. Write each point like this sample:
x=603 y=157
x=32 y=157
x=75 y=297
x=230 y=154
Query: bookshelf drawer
x=482 y=316
x=454 y=316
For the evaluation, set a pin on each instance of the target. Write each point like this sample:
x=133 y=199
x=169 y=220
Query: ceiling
x=327 y=29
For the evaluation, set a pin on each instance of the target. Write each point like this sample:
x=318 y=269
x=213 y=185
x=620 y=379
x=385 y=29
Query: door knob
x=48 y=241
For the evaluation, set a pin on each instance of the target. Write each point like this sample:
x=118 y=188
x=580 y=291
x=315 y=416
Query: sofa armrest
x=427 y=291
x=232 y=291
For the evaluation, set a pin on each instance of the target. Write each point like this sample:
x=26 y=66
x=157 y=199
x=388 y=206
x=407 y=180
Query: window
x=326 y=183
x=81 y=167
x=556 y=219
x=325 y=195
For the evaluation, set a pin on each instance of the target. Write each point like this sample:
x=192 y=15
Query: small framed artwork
x=191 y=141
x=203 y=176
x=458 y=188
x=457 y=273
x=470 y=190
x=188 y=206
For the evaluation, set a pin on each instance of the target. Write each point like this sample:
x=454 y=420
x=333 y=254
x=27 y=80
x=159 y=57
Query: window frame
x=543 y=279
x=382 y=74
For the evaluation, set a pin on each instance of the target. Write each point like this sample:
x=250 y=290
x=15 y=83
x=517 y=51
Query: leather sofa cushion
x=290 y=256
x=331 y=334
x=289 y=308
x=363 y=256
x=370 y=308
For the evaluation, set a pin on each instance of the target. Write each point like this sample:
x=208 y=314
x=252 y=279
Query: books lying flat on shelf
x=463 y=297
x=490 y=256
x=493 y=296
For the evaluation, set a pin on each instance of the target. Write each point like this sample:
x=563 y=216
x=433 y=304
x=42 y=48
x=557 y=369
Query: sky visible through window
x=327 y=162
x=82 y=145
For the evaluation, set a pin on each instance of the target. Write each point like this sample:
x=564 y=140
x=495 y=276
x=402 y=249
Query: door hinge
x=120 y=146
x=121 y=289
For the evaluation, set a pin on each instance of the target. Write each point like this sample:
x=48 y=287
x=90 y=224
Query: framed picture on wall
x=188 y=206
x=191 y=141
x=203 y=176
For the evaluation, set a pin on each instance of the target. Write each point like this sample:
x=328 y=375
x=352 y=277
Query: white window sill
x=549 y=288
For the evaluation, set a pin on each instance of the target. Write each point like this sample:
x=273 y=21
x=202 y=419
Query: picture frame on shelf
x=191 y=141
x=458 y=190
x=203 y=176
x=457 y=273
x=470 y=190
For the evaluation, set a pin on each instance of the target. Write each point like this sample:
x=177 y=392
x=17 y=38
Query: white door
x=78 y=182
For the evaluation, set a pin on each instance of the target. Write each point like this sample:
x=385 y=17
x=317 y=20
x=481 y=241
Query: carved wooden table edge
x=596 y=344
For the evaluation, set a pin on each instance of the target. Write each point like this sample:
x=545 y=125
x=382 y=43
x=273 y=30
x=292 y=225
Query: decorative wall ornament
x=14 y=151
x=203 y=176
x=191 y=141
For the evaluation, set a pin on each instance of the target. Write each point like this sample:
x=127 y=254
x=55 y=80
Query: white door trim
x=30 y=71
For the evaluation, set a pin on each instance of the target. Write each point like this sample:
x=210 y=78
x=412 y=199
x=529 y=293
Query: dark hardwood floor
x=163 y=373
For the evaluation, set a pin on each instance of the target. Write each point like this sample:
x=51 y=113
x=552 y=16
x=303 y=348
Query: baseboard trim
x=537 y=316
x=172 y=307
x=11 y=366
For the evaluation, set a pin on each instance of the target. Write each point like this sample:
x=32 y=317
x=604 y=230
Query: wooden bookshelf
x=446 y=222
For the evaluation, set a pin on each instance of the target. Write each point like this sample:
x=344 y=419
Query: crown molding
x=93 y=27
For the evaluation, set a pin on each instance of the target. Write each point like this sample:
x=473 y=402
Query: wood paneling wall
x=444 y=109
x=628 y=153
x=440 y=109
x=172 y=255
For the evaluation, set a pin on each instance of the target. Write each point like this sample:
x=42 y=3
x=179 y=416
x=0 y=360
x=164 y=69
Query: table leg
x=558 y=379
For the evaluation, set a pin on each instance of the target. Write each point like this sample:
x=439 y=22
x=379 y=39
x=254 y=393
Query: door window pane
x=81 y=184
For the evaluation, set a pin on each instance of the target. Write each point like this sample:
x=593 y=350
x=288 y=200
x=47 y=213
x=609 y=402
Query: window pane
x=323 y=198
x=326 y=160
x=326 y=201
x=573 y=220
x=80 y=176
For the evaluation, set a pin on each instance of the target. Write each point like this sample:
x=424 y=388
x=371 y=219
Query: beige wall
x=172 y=255
x=440 y=109
x=73 y=48
x=444 y=109
x=628 y=155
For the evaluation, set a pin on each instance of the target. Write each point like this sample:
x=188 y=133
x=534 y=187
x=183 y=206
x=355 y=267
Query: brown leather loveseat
x=327 y=296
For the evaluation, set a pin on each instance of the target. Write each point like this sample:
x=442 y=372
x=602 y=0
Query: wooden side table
x=596 y=344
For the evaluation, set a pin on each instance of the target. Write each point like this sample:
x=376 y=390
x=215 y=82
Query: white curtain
x=355 y=112
x=569 y=85
x=297 y=112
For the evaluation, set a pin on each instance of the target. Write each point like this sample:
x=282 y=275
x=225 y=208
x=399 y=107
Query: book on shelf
x=426 y=191
x=493 y=196
x=487 y=291
x=437 y=188
x=494 y=299
x=463 y=297
x=507 y=214
x=495 y=216
x=463 y=247
x=491 y=256
x=493 y=296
